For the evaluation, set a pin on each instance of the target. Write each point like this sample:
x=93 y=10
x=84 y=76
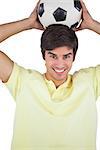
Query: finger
x=83 y=6
x=77 y=29
x=37 y=5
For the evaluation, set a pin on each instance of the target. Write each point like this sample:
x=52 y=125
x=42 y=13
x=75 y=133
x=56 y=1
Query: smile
x=59 y=70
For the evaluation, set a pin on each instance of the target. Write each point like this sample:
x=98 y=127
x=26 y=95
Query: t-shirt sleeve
x=94 y=74
x=97 y=80
x=14 y=82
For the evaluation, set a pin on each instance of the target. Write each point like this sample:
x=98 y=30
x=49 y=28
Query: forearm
x=9 y=29
x=95 y=26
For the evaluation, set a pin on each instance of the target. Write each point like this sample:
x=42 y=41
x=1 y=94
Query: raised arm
x=88 y=22
x=95 y=26
x=9 y=29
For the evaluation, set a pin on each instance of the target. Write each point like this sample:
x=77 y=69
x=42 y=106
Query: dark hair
x=57 y=35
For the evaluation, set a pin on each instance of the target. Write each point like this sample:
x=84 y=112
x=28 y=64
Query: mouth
x=59 y=71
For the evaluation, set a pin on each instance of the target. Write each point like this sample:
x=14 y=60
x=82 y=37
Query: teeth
x=59 y=70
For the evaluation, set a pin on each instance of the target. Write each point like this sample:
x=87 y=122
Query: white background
x=24 y=48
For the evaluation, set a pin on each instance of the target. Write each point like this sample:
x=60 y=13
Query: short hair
x=57 y=35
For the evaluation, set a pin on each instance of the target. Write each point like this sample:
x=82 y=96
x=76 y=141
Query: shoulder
x=87 y=73
x=27 y=73
x=21 y=74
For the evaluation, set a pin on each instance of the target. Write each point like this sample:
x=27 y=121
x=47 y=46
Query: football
x=67 y=12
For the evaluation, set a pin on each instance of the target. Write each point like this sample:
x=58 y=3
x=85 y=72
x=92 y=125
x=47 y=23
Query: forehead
x=61 y=50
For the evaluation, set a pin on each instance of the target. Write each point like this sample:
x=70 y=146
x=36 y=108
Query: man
x=54 y=111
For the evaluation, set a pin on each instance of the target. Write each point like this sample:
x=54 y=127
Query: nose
x=60 y=63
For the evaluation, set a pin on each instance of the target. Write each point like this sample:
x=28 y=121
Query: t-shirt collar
x=66 y=84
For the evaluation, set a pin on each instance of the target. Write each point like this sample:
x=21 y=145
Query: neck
x=56 y=82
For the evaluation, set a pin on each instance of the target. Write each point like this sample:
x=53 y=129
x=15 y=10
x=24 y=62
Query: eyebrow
x=51 y=53
x=67 y=54
x=56 y=55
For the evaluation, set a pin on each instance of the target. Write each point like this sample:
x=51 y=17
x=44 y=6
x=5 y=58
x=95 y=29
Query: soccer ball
x=67 y=12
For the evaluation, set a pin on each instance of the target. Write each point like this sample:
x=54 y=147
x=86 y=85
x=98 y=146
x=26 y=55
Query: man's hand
x=33 y=18
x=87 y=20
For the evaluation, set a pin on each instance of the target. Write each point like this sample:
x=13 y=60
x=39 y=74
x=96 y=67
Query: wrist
x=94 y=25
x=30 y=23
x=27 y=23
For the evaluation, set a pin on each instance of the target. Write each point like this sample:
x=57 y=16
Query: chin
x=60 y=78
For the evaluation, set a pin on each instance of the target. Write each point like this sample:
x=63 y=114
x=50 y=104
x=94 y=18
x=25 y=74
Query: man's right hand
x=33 y=18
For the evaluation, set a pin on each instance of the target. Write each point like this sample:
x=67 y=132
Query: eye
x=53 y=56
x=67 y=56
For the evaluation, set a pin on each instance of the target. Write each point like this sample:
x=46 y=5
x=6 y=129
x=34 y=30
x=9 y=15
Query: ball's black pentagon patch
x=41 y=9
x=60 y=14
x=75 y=25
x=77 y=5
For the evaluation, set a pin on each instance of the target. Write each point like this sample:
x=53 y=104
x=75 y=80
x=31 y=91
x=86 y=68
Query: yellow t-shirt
x=54 y=119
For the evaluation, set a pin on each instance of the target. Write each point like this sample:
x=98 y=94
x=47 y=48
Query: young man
x=54 y=110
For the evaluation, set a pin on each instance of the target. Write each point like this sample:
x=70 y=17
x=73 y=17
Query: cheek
x=48 y=63
x=69 y=64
